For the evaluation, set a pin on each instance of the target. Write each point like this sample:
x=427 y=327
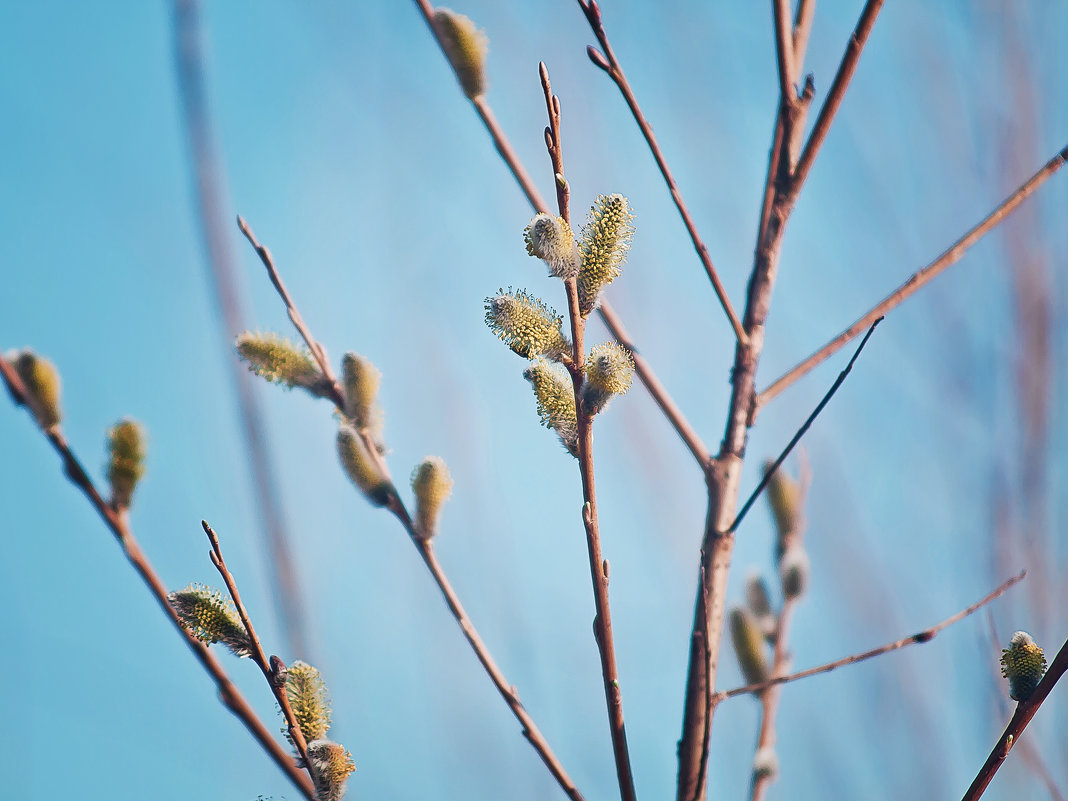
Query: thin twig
x=606 y=60
x=920 y=637
x=584 y=424
x=830 y=106
x=801 y=431
x=219 y=256
x=116 y=521
x=278 y=688
x=396 y=506
x=1025 y=710
x=918 y=279
x=785 y=62
x=769 y=698
x=611 y=320
x=806 y=11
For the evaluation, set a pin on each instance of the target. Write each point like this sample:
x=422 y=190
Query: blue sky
x=351 y=152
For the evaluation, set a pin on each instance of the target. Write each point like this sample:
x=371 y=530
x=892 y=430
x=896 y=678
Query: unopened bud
x=432 y=486
x=465 y=46
x=41 y=380
x=748 y=644
x=126 y=460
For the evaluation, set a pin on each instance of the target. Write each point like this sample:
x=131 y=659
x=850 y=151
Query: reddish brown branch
x=830 y=106
x=584 y=424
x=397 y=507
x=278 y=688
x=606 y=60
x=920 y=637
x=1025 y=710
x=918 y=279
x=116 y=521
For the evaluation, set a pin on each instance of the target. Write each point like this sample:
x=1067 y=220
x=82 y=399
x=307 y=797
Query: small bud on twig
x=432 y=486
x=41 y=380
x=748 y=644
x=784 y=498
x=361 y=467
x=793 y=570
x=465 y=46
x=126 y=461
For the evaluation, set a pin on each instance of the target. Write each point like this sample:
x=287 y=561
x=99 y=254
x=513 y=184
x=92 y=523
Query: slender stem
x=1025 y=710
x=806 y=11
x=801 y=431
x=920 y=637
x=117 y=522
x=645 y=372
x=397 y=507
x=917 y=279
x=606 y=60
x=785 y=62
x=278 y=688
x=584 y=423
x=209 y=178
x=723 y=477
x=841 y=81
x=769 y=699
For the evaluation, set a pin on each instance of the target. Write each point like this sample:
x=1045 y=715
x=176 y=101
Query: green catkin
x=784 y=498
x=126 y=460
x=41 y=379
x=465 y=46
x=361 y=380
x=555 y=397
x=1024 y=664
x=603 y=247
x=362 y=469
x=550 y=239
x=279 y=361
x=210 y=618
x=432 y=486
x=308 y=699
x=748 y=644
x=526 y=325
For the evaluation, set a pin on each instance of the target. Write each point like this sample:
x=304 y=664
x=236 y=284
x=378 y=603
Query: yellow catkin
x=432 y=486
x=210 y=618
x=126 y=460
x=550 y=239
x=555 y=397
x=308 y=699
x=278 y=360
x=41 y=379
x=603 y=246
x=748 y=644
x=526 y=325
x=465 y=46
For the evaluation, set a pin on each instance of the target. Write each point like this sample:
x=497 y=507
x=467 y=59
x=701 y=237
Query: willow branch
x=918 y=279
x=605 y=59
x=395 y=505
x=769 y=698
x=920 y=637
x=584 y=423
x=1025 y=710
x=118 y=524
x=645 y=372
x=278 y=687
x=831 y=104
x=801 y=431
x=209 y=179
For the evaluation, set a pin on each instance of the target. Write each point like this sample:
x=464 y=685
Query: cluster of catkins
x=535 y=332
